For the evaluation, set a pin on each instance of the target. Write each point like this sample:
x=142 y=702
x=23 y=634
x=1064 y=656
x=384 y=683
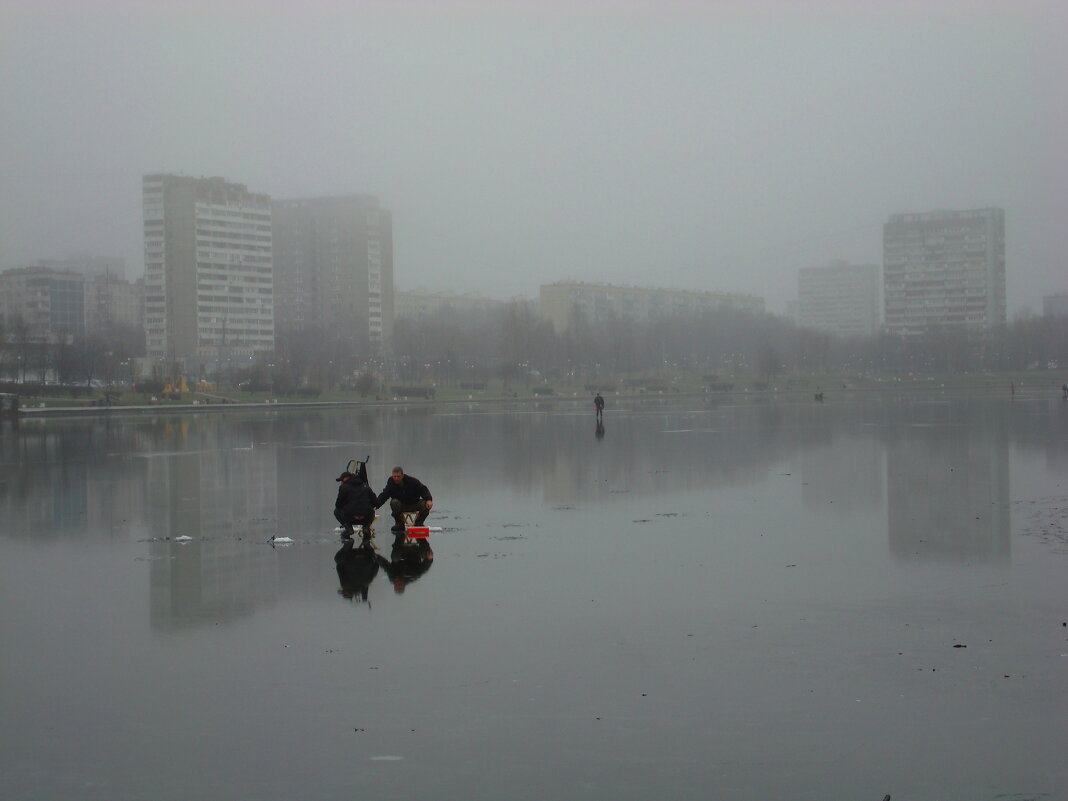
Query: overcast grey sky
x=712 y=146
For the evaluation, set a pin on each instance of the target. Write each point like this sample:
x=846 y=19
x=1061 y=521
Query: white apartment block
x=209 y=288
x=561 y=301
x=944 y=270
x=839 y=299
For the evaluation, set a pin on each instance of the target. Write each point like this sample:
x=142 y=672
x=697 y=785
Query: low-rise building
x=113 y=267
x=419 y=302
x=113 y=303
x=42 y=304
x=1055 y=305
x=560 y=302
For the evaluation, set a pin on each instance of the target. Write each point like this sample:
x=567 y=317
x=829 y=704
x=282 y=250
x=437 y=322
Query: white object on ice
x=182 y=538
x=282 y=540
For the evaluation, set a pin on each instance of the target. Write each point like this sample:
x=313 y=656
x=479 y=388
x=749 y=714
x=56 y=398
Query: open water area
x=733 y=600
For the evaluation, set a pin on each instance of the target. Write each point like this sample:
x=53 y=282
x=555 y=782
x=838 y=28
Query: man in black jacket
x=405 y=494
x=355 y=504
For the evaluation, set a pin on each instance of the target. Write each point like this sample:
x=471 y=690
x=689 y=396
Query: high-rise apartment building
x=598 y=302
x=944 y=270
x=840 y=299
x=209 y=288
x=333 y=260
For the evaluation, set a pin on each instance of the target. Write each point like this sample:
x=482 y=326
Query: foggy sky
x=713 y=146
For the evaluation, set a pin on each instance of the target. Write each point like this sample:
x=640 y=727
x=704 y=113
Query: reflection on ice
x=705 y=587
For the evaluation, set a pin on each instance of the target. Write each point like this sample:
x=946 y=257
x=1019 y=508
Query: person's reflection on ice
x=599 y=431
x=357 y=566
x=409 y=559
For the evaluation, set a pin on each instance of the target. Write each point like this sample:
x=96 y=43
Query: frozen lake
x=742 y=601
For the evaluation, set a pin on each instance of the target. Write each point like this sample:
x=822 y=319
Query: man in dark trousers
x=355 y=504
x=598 y=405
x=405 y=494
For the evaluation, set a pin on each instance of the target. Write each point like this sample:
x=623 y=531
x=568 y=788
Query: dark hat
x=343 y=476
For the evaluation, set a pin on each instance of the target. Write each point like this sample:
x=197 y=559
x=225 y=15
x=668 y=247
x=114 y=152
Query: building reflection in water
x=59 y=479
x=948 y=485
x=209 y=581
x=844 y=477
x=224 y=499
x=232 y=480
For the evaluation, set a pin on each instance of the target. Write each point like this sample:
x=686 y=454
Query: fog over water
x=710 y=146
x=738 y=599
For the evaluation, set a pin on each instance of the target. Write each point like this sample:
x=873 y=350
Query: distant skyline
x=715 y=146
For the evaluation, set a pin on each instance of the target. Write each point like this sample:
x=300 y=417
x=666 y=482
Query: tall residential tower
x=209 y=290
x=944 y=270
x=334 y=270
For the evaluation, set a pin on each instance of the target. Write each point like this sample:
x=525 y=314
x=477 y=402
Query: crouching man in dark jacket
x=355 y=504
x=405 y=494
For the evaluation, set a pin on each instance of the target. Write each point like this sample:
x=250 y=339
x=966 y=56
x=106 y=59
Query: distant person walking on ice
x=598 y=405
x=405 y=494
